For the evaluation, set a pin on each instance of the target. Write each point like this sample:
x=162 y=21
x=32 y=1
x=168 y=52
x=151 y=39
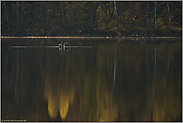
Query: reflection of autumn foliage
x=97 y=95
x=64 y=104
x=98 y=102
x=59 y=90
x=79 y=83
x=167 y=87
x=167 y=104
x=52 y=107
x=58 y=101
x=106 y=107
x=138 y=78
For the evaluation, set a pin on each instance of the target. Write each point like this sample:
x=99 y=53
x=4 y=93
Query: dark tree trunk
x=147 y=15
x=155 y=15
x=17 y=16
x=91 y=15
x=169 y=15
x=122 y=14
x=129 y=24
x=7 y=16
x=62 y=14
x=105 y=10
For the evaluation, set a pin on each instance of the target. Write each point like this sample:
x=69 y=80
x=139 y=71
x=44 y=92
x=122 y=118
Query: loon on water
x=62 y=45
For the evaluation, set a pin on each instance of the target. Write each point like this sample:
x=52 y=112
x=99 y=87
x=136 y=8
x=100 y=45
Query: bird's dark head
x=62 y=42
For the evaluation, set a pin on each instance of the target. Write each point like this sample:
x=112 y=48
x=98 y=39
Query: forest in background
x=113 y=18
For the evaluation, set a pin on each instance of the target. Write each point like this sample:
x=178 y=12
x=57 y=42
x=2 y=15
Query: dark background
x=91 y=18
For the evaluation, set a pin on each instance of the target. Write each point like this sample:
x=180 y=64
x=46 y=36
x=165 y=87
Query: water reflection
x=59 y=90
x=113 y=81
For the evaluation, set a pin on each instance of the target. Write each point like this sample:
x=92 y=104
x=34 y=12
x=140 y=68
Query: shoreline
x=92 y=37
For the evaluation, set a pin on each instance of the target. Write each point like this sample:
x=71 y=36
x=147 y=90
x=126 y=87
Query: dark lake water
x=115 y=80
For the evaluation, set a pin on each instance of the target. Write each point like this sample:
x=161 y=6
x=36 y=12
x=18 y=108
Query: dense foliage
x=91 y=18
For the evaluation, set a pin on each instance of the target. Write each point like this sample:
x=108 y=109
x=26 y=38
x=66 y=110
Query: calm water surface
x=115 y=80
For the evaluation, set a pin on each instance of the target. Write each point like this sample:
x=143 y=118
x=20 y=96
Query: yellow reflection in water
x=106 y=107
x=106 y=111
x=167 y=110
x=65 y=100
x=63 y=108
x=52 y=107
x=58 y=100
x=168 y=107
